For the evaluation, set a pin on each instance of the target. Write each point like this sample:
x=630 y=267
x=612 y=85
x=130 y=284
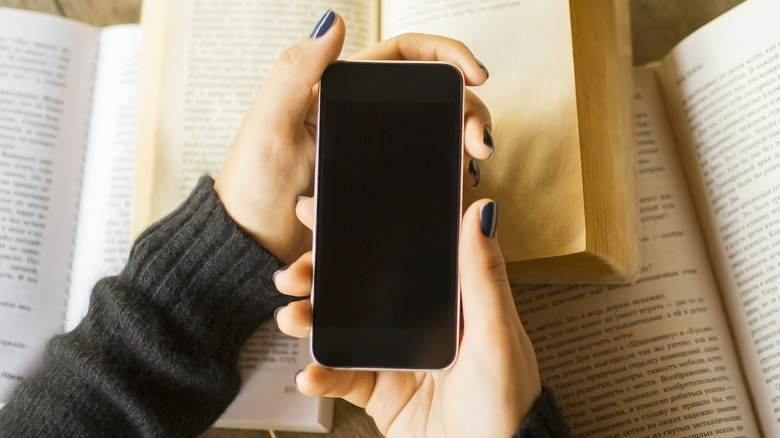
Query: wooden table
x=656 y=25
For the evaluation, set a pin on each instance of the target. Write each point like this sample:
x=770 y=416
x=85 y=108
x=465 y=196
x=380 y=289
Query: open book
x=692 y=346
x=67 y=118
x=559 y=92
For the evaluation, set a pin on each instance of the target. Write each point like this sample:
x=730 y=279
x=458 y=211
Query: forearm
x=156 y=353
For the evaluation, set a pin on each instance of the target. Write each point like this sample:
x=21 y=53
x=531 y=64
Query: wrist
x=198 y=269
x=268 y=216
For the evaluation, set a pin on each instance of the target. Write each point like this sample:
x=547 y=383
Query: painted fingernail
x=487 y=138
x=474 y=171
x=482 y=66
x=323 y=25
x=488 y=219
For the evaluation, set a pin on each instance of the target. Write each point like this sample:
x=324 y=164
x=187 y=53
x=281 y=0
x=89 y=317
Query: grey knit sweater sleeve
x=544 y=420
x=156 y=354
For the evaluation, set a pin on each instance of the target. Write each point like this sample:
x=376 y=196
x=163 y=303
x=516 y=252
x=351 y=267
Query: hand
x=271 y=160
x=490 y=388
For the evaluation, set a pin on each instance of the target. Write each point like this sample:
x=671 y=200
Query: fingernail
x=487 y=138
x=295 y=377
x=474 y=171
x=323 y=25
x=482 y=66
x=276 y=312
x=488 y=219
x=282 y=269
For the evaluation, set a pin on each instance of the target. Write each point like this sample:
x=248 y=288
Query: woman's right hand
x=489 y=389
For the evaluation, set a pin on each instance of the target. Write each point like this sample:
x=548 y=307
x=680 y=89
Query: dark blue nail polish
x=488 y=219
x=482 y=66
x=487 y=138
x=474 y=171
x=323 y=25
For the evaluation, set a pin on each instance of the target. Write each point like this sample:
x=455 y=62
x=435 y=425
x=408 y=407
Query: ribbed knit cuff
x=544 y=420
x=211 y=279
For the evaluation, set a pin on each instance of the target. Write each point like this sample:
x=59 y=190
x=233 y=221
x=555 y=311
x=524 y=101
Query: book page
x=655 y=357
x=46 y=77
x=195 y=90
x=527 y=48
x=722 y=88
x=269 y=387
x=103 y=236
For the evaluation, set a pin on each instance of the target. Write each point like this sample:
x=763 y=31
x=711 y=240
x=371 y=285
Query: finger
x=485 y=291
x=304 y=209
x=489 y=313
x=471 y=173
x=295 y=280
x=294 y=319
x=477 y=129
x=421 y=47
x=286 y=95
x=273 y=142
x=353 y=386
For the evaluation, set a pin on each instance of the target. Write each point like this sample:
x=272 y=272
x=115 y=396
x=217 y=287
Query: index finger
x=423 y=47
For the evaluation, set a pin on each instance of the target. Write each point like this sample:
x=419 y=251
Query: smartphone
x=388 y=190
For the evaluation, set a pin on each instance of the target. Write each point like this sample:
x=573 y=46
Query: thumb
x=493 y=336
x=485 y=290
x=286 y=95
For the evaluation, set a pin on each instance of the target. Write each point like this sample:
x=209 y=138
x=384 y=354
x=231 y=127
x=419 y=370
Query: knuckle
x=291 y=62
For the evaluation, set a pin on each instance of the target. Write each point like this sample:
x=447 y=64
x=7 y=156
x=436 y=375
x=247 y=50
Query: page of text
x=723 y=92
x=266 y=361
x=46 y=76
x=103 y=237
x=654 y=358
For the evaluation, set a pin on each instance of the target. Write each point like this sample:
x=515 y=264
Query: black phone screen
x=388 y=194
